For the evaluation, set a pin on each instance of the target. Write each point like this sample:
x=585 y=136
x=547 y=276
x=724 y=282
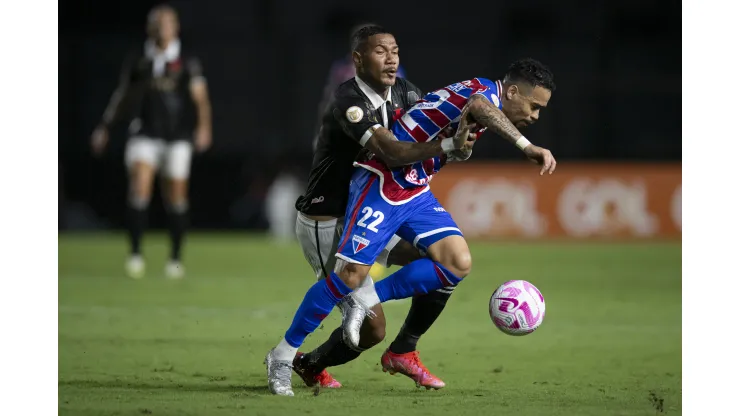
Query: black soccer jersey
x=163 y=105
x=345 y=128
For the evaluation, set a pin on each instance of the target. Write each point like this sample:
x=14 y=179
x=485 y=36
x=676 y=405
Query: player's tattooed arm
x=487 y=114
x=396 y=153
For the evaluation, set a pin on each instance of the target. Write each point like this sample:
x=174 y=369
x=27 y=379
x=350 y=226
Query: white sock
x=367 y=296
x=285 y=351
x=368 y=281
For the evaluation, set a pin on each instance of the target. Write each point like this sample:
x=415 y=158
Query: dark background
x=617 y=66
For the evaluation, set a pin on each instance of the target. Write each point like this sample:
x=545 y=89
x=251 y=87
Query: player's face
x=523 y=105
x=166 y=26
x=380 y=60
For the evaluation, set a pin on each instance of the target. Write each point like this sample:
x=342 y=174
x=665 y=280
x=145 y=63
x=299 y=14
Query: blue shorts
x=371 y=221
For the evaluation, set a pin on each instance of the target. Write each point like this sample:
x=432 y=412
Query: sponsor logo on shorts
x=317 y=200
x=358 y=243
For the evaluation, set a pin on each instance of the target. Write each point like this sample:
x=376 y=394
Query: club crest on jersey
x=354 y=114
x=358 y=243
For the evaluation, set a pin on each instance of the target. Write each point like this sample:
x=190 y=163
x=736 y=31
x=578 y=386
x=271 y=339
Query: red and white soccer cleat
x=410 y=365
x=312 y=378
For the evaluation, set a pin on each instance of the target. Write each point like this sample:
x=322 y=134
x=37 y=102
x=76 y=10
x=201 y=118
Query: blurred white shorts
x=319 y=241
x=173 y=158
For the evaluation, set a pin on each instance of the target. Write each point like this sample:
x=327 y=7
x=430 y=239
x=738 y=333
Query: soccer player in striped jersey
x=398 y=198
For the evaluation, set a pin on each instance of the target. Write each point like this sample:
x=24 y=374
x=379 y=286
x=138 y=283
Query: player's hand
x=99 y=140
x=203 y=138
x=468 y=146
x=542 y=157
x=449 y=132
x=464 y=129
x=465 y=152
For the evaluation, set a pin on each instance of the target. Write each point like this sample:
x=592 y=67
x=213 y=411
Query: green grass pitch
x=610 y=343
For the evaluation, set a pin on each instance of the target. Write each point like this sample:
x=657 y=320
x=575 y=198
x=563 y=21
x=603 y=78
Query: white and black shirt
x=160 y=98
x=346 y=126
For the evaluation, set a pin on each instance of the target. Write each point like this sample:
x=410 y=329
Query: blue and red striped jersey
x=422 y=123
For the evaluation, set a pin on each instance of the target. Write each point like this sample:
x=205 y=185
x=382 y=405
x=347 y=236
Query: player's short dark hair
x=361 y=35
x=532 y=72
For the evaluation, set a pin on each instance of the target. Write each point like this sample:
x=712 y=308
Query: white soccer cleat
x=135 y=267
x=353 y=315
x=279 y=375
x=174 y=270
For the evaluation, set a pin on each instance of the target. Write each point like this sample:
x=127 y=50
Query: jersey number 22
x=370 y=213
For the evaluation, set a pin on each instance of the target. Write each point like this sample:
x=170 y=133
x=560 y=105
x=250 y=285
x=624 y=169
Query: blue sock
x=416 y=278
x=317 y=304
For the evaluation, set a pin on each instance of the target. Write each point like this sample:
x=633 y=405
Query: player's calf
x=141 y=178
x=177 y=213
x=372 y=331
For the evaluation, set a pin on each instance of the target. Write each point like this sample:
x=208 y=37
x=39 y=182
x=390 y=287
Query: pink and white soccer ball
x=517 y=307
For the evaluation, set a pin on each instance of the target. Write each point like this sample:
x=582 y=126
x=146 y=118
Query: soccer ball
x=517 y=307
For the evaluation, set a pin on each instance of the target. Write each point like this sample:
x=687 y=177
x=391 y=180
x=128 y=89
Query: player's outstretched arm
x=395 y=153
x=199 y=94
x=112 y=111
x=488 y=115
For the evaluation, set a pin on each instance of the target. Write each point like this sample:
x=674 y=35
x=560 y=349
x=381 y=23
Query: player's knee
x=352 y=274
x=138 y=201
x=453 y=253
x=177 y=207
x=140 y=189
x=460 y=263
x=463 y=261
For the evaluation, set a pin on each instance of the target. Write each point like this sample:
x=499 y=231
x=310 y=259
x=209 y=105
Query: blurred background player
x=163 y=87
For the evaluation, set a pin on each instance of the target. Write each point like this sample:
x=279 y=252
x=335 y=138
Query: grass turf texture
x=610 y=343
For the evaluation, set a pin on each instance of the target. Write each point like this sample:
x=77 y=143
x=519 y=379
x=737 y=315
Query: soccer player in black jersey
x=357 y=122
x=163 y=86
